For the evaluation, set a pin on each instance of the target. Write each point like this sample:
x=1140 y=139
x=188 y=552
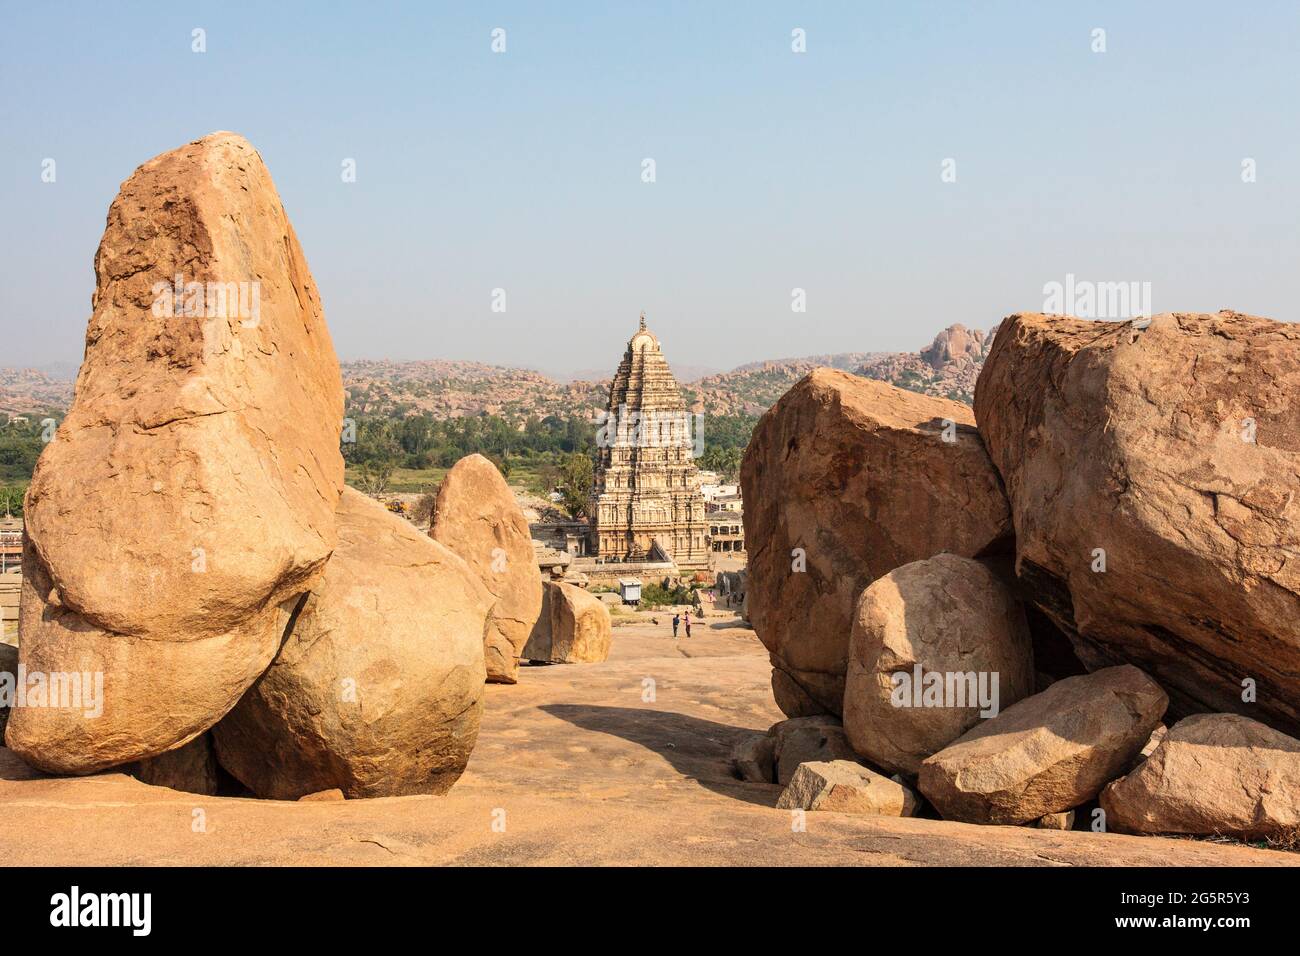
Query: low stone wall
x=609 y=574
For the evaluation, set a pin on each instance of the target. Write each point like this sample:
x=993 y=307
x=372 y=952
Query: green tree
x=11 y=499
x=576 y=477
x=376 y=453
x=725 y=461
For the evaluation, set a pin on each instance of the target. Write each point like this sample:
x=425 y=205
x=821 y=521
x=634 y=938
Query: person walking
x=676 y=620
x=688 y=623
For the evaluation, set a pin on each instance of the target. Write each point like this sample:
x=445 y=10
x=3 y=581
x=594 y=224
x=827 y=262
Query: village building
x=646 y=503
x=726 y=531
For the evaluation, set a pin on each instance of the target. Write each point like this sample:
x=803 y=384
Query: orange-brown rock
x=801 y=740
x=477 y=517
x=378 y=690
x=954 y=344
x=844 y=480
x=843 y=786
x=1212 y=774
x=572 y=628
x=945 y=624
x=1154 y=480
x=323 y=796
x=1047 y=754
x=186 y=503
x=190 y=768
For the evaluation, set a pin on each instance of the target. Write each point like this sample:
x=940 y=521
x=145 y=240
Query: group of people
x=677 y=620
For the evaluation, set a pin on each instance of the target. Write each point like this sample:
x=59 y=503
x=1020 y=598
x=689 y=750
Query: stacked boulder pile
x=192 y=552
x=1000 y=608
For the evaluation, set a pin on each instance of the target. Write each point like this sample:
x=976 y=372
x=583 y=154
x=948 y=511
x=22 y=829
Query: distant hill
x=683 y=373
x=30 y=391
x=948 y=366
x=452 y=389
x=754 y=388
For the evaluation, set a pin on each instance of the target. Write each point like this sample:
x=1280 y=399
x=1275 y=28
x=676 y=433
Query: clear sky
x=774 y=170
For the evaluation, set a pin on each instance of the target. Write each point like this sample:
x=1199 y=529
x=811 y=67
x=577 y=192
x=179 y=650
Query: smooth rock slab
x=842 y=786
x=1047 y=754
x=1212 y=774
x=846 y=479
x=953 y=619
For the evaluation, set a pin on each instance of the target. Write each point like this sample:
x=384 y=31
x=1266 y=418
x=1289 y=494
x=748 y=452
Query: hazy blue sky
x=775 y=170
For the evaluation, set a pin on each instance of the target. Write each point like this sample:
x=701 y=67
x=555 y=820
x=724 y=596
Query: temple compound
x=646 y=503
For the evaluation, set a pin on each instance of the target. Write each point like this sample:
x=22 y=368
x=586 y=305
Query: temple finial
x=643 y=320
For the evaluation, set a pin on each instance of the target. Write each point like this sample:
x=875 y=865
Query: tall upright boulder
x=1154 y=480
x=186 y=503
x=378 y=690
x=844 y=480
x=476 y=516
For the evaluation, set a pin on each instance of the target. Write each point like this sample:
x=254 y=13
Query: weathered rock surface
x=807 y=740
x=1048 y=753
x=952 y=619
x=191 y=768
x=1173 y=450
x=955 y=344
x=1212 y=774
x=1055 y=821
x=1152 y=743
x=378 y=690
x=856 y=475
x=754 y=759
x=477 y=517
x=187 y=500
x=843 y=786
x=573 y=627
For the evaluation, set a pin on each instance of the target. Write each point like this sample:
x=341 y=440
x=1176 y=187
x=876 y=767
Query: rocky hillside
x=947 y=368
x=754 y=388
x=28 y=391
x=450 y=389
x=447 y=389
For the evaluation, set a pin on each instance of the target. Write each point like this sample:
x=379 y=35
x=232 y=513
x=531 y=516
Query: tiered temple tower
x=646 y=503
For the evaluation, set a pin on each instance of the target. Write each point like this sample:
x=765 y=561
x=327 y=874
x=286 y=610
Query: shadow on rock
x=696 y=748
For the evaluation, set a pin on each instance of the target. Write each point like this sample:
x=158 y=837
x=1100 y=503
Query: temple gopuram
x=646 y=503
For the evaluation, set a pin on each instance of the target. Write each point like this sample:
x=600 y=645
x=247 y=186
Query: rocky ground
x=586 y=770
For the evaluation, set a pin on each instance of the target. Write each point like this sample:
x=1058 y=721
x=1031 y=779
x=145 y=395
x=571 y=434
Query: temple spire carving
x=646 y=502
